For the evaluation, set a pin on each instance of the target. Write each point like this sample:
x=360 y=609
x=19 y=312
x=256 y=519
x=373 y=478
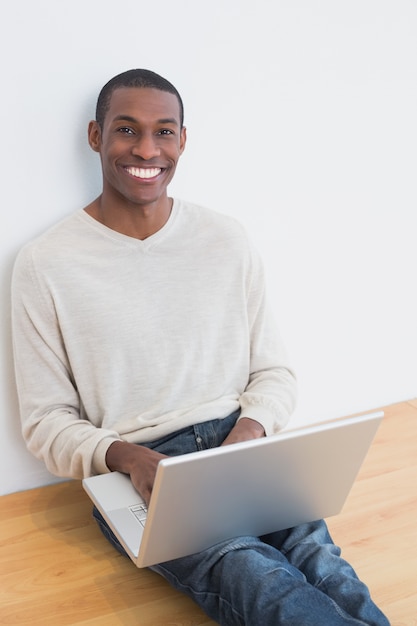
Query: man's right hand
x=137 y=461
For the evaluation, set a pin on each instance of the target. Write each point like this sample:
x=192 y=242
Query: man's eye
x=125 y=130
x=166 y=131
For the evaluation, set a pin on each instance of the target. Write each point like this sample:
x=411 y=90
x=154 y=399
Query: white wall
x=301 y=118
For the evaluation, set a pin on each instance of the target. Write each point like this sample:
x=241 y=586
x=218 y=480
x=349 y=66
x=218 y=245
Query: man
x=141 y=330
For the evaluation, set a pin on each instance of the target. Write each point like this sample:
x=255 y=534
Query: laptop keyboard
x=140 y=511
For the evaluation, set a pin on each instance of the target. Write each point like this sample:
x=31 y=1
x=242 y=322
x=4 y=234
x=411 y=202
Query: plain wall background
x=301 y=119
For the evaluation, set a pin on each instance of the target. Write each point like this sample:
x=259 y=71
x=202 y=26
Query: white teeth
x=142 y=172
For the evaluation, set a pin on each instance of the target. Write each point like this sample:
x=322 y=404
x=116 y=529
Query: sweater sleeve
x=270 y=395
x=53 y=425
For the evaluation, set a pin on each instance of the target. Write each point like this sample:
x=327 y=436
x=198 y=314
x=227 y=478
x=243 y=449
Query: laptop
x=249 y=488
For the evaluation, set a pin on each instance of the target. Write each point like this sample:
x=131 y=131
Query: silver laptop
x=250 y=488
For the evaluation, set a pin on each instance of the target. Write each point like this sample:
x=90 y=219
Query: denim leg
x=311 y=550
x=107 y=532
x=246 y=582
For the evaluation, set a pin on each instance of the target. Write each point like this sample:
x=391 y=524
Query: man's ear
x=183 y=139
x=94 y=136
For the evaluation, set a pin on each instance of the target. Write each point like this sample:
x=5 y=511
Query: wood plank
x=377 y=527
x=56 y=568
x=55 y=562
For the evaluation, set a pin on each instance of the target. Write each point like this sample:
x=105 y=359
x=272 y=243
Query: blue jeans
x=294 y=577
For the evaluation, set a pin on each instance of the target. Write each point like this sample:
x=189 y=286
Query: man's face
x=139 y=145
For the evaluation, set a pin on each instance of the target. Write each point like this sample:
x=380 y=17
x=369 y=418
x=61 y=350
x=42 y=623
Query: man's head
x=139 y=78
x=140 y=136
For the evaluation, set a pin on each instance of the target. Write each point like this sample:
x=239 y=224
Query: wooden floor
x=56 y=569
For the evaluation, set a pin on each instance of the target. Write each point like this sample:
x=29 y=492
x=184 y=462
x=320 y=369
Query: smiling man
x=140 y=141
x=141 y=330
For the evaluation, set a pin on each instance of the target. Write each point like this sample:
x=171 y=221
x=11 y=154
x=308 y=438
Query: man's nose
x=146 y=146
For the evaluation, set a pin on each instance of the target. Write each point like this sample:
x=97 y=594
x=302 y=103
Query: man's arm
x=54 y=425
x=270 y=395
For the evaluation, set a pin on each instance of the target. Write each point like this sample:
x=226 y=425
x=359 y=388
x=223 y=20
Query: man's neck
x=139 y=222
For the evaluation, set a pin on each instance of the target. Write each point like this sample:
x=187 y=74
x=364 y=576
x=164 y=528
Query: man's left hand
x=244 y=430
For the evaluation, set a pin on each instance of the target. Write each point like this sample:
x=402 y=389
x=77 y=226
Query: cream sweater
x=117 y=338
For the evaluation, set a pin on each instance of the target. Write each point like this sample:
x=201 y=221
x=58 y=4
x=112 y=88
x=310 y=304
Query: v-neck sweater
x=118 y=338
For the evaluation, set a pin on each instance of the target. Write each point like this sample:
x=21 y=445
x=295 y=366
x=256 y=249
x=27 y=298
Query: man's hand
x=137 y=461
x=244 y=430
x=141 y=462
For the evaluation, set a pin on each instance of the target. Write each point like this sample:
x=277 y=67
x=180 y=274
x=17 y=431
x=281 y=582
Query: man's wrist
x=253 y=426
x=121 y=456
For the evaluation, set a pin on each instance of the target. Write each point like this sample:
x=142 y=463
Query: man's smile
x=143 y=172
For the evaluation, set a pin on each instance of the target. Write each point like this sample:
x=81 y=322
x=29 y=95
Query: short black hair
x=134 y=78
